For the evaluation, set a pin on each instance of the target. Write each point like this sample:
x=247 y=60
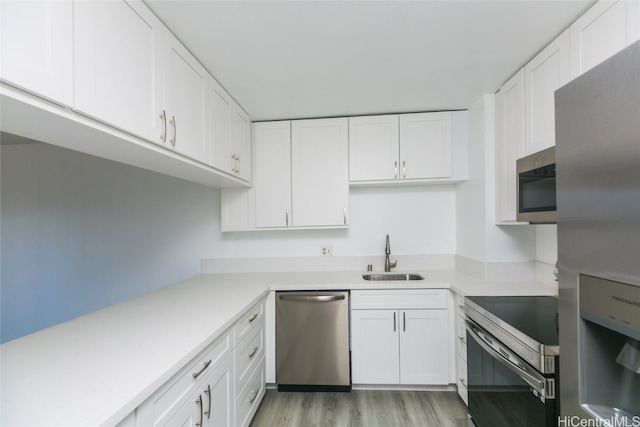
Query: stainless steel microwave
x=537 y=187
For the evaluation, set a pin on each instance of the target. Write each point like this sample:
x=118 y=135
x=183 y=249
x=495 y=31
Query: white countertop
x=96 y=369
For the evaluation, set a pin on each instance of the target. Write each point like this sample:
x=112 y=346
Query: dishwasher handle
x=311 y=298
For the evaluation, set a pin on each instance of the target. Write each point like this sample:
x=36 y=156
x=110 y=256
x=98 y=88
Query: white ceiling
x=307 y=59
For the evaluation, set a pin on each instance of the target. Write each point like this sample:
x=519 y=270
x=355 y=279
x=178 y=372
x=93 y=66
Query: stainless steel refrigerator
x=598 y=199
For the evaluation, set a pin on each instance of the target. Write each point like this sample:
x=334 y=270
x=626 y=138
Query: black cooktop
x=535 y=316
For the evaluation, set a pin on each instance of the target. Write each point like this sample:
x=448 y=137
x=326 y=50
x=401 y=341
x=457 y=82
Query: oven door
x=505 y=391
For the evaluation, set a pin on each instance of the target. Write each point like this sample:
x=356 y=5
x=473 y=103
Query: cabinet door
x=221 y=406
x=238 y=210
x=190 y=413
x=240 y=142
x=37 y=47
x=374 y=150
x=118 y=74
x=425 y=145
x=220 y=127
x=605 y=29
x=185 y=100
x=546 y=73
x=320 y=172
x=424 y=349
x=273 y=173
x=212 y=403
x=375 y=348
x=509 y=145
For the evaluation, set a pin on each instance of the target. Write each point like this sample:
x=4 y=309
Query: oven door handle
x=538 y=384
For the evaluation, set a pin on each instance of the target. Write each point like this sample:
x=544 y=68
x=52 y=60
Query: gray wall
x=79 y=233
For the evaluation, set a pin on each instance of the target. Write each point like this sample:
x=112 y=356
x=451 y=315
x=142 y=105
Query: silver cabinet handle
x=204 y=368
x=163 y=116
x=404 y=321
x=461 y=306
x=404 y=169
x=311 y=298
x=199 y=402
x=253 y=352
x=254 y=317
x=237 y=164
x=172 y=122
x=395 y=169
x=255 y=394
x=286 y=216
x=462 y=340
x=394 y=321
x=463 y=382
x=208 y=393
x=344 y=215
x=233 y=163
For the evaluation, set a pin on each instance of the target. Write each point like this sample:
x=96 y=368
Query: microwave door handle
x=537 y=383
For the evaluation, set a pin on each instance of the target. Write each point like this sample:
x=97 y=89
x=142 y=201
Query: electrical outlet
x=326 y=250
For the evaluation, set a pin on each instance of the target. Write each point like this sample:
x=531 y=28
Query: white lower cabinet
x=400 y=337
x=210 y=405
x=223 y=386
x=461 y=349
x=249 y=357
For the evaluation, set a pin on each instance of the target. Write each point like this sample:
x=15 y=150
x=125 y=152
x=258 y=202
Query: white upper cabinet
x=320 y=172
x=140 y=78
x=240 y=143
x=272 y=174
x=230 y=133
x=425 y=145
x=605 y=29
x=119 y=74
x=509 y=145
x=185 y=91
x=374 y=148
x=546 y=73
x=37 y=47
x=394 y=148
x=301 y=173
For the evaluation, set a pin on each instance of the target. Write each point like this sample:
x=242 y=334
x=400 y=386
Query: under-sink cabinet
x=223 y=386
x=400 y=337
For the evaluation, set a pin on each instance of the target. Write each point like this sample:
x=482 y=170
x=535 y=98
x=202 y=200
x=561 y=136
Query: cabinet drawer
x=250 y=397
x=461 y=378
x=163 y=401
x=461 y=338
x=247 y=356
x=248 y=322
x=460 y=305
x=399 y=299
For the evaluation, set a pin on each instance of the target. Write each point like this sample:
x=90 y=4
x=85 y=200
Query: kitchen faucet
x=388 y=265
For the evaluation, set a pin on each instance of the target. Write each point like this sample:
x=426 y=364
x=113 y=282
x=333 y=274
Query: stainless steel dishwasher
x=312 y=341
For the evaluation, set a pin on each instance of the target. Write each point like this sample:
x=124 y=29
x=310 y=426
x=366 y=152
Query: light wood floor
x=361 y=408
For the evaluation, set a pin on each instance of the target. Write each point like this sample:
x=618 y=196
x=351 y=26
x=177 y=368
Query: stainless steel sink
x=391 y=276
